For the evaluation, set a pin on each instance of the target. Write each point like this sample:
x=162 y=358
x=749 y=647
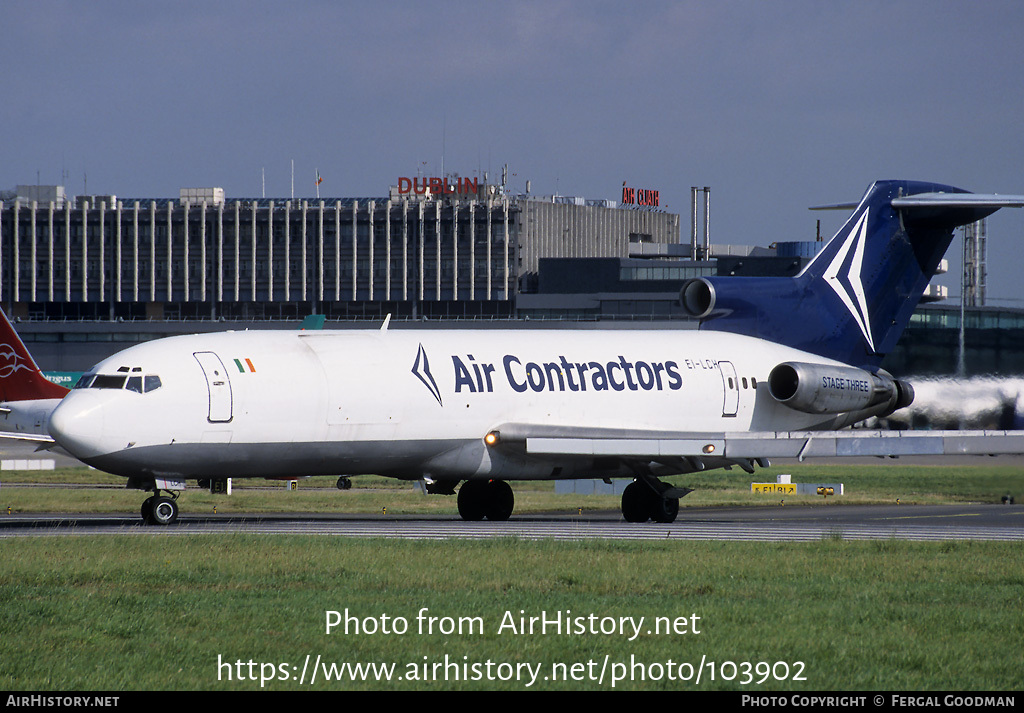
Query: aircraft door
x=218 y=385
x=730 y=388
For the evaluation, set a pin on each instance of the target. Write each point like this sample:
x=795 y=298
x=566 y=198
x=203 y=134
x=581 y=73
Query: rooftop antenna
x=263 y=174
x=293 y=179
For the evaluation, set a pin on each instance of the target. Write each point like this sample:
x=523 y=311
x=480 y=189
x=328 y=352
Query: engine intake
x=697 y=297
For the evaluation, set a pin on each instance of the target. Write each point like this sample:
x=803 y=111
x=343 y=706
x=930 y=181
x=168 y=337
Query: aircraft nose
x=77 y=425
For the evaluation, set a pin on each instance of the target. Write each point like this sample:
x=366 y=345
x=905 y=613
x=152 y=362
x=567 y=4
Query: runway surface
x=763 y=524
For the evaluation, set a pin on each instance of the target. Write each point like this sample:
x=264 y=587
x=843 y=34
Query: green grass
x=142 y=612
x=865 y=484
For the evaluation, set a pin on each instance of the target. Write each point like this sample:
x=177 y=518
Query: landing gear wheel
x=641 y=503
x=164 y=511
x=500 y=500
x=491 y=499
x=665 y=509
x=147 y=510
x=637 y=501
x=344 y=483
x=472 y=505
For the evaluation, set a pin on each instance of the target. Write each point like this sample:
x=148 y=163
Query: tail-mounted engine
x=698 y=297
x=821 y=389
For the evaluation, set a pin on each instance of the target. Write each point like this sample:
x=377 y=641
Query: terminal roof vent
x=198 y=196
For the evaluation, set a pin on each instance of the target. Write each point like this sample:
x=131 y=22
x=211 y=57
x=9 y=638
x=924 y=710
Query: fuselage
x=26 y=418
x=405 y=403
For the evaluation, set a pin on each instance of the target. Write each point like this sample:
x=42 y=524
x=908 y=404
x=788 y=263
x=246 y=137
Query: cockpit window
x=135 y=382
x=109 y=381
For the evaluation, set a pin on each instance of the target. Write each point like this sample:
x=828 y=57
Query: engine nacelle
x=698 y=297
x=817 y=388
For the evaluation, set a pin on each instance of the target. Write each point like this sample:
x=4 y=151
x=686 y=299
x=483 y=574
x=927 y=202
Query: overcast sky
x=774 y=105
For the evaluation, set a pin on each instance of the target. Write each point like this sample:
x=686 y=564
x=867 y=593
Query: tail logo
x=843 y=275
x=10 y=361
x=421 y=368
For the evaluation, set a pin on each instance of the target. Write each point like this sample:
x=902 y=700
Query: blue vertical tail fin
x=852 y=302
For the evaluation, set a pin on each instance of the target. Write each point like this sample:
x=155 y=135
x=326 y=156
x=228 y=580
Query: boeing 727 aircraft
x=776 y=367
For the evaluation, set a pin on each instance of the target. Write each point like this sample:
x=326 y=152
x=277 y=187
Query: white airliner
x=777 y=366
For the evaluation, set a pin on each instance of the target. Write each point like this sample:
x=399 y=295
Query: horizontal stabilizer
x=959 y=200
x=834 y=206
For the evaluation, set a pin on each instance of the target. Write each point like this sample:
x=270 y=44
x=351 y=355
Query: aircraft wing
x=631 y=444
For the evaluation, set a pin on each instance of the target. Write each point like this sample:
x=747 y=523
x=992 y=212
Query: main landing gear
x=491 y=499
x=160 y=509
x=650 y=499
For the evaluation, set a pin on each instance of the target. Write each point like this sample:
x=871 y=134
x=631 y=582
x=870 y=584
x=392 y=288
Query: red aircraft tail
x=20 y=378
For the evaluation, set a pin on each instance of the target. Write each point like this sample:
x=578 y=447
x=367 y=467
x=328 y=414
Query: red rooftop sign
x=436 y=185
x=640 y=196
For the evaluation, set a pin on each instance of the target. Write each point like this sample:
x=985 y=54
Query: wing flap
x=576 y=441
x=631 y=448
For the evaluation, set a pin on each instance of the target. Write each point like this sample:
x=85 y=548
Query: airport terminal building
x=90 y=275
x=462 y=252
